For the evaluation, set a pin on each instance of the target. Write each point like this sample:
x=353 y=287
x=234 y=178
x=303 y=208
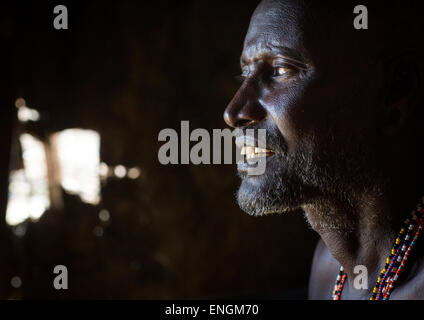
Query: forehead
x=303 y=30
x=276 y=27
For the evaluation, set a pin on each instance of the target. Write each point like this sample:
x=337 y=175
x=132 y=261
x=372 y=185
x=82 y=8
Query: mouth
x=251 y=152
x=255 y=152
x=250 y=149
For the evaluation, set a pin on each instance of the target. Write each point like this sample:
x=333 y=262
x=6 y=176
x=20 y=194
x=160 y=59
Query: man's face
x=310 y=85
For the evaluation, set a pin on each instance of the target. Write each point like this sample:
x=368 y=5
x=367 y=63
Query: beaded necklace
x=395 y=263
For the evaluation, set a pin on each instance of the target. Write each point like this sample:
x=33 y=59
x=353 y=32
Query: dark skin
x=335 y=91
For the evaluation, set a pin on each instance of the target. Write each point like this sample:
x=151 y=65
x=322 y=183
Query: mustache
x=274 y=139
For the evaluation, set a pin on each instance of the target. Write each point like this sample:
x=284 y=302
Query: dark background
x=128 y=69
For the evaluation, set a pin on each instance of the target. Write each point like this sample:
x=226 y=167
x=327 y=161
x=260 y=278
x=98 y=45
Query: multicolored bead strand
x=341 y=277
x=396 y=261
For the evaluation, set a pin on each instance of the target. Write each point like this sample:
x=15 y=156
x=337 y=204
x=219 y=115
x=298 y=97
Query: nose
x=244 y=109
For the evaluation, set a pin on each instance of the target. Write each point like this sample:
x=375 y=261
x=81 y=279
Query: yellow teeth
x=261 y=150
x=254 y=152
x=247 y=150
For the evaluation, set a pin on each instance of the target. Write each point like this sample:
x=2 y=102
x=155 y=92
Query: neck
x=366 y=236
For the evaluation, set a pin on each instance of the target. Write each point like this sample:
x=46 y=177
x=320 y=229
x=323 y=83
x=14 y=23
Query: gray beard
x=327 y=186
x=278 y=191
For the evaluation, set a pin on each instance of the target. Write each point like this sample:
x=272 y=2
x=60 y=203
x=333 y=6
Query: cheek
x=298 y=112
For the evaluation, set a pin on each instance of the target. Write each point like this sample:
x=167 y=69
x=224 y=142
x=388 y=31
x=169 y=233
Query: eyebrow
x=276 y=51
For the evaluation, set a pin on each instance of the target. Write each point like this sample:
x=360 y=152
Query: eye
x=280 y=71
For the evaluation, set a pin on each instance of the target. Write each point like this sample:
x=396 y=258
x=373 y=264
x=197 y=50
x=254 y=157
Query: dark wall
x=129 y=69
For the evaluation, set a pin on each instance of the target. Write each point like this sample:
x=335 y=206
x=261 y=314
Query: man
x=342 y=109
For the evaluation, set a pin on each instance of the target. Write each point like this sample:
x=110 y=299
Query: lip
x=244 y=165
x=246 y=141
x=251 y=151
x=249 y=141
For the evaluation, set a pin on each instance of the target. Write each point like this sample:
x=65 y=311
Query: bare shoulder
x=413 y=288
x=416 y=288
x=323 y=273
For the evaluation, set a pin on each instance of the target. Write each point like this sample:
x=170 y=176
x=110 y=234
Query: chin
x=257 y=202
x=273 y=192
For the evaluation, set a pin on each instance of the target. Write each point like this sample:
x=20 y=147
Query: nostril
x=243 y=123
x=244 y=109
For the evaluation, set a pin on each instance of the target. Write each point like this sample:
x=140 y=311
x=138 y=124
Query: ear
x=402 y=94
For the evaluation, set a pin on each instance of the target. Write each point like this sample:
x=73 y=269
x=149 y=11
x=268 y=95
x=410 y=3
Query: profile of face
x=314 y=83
